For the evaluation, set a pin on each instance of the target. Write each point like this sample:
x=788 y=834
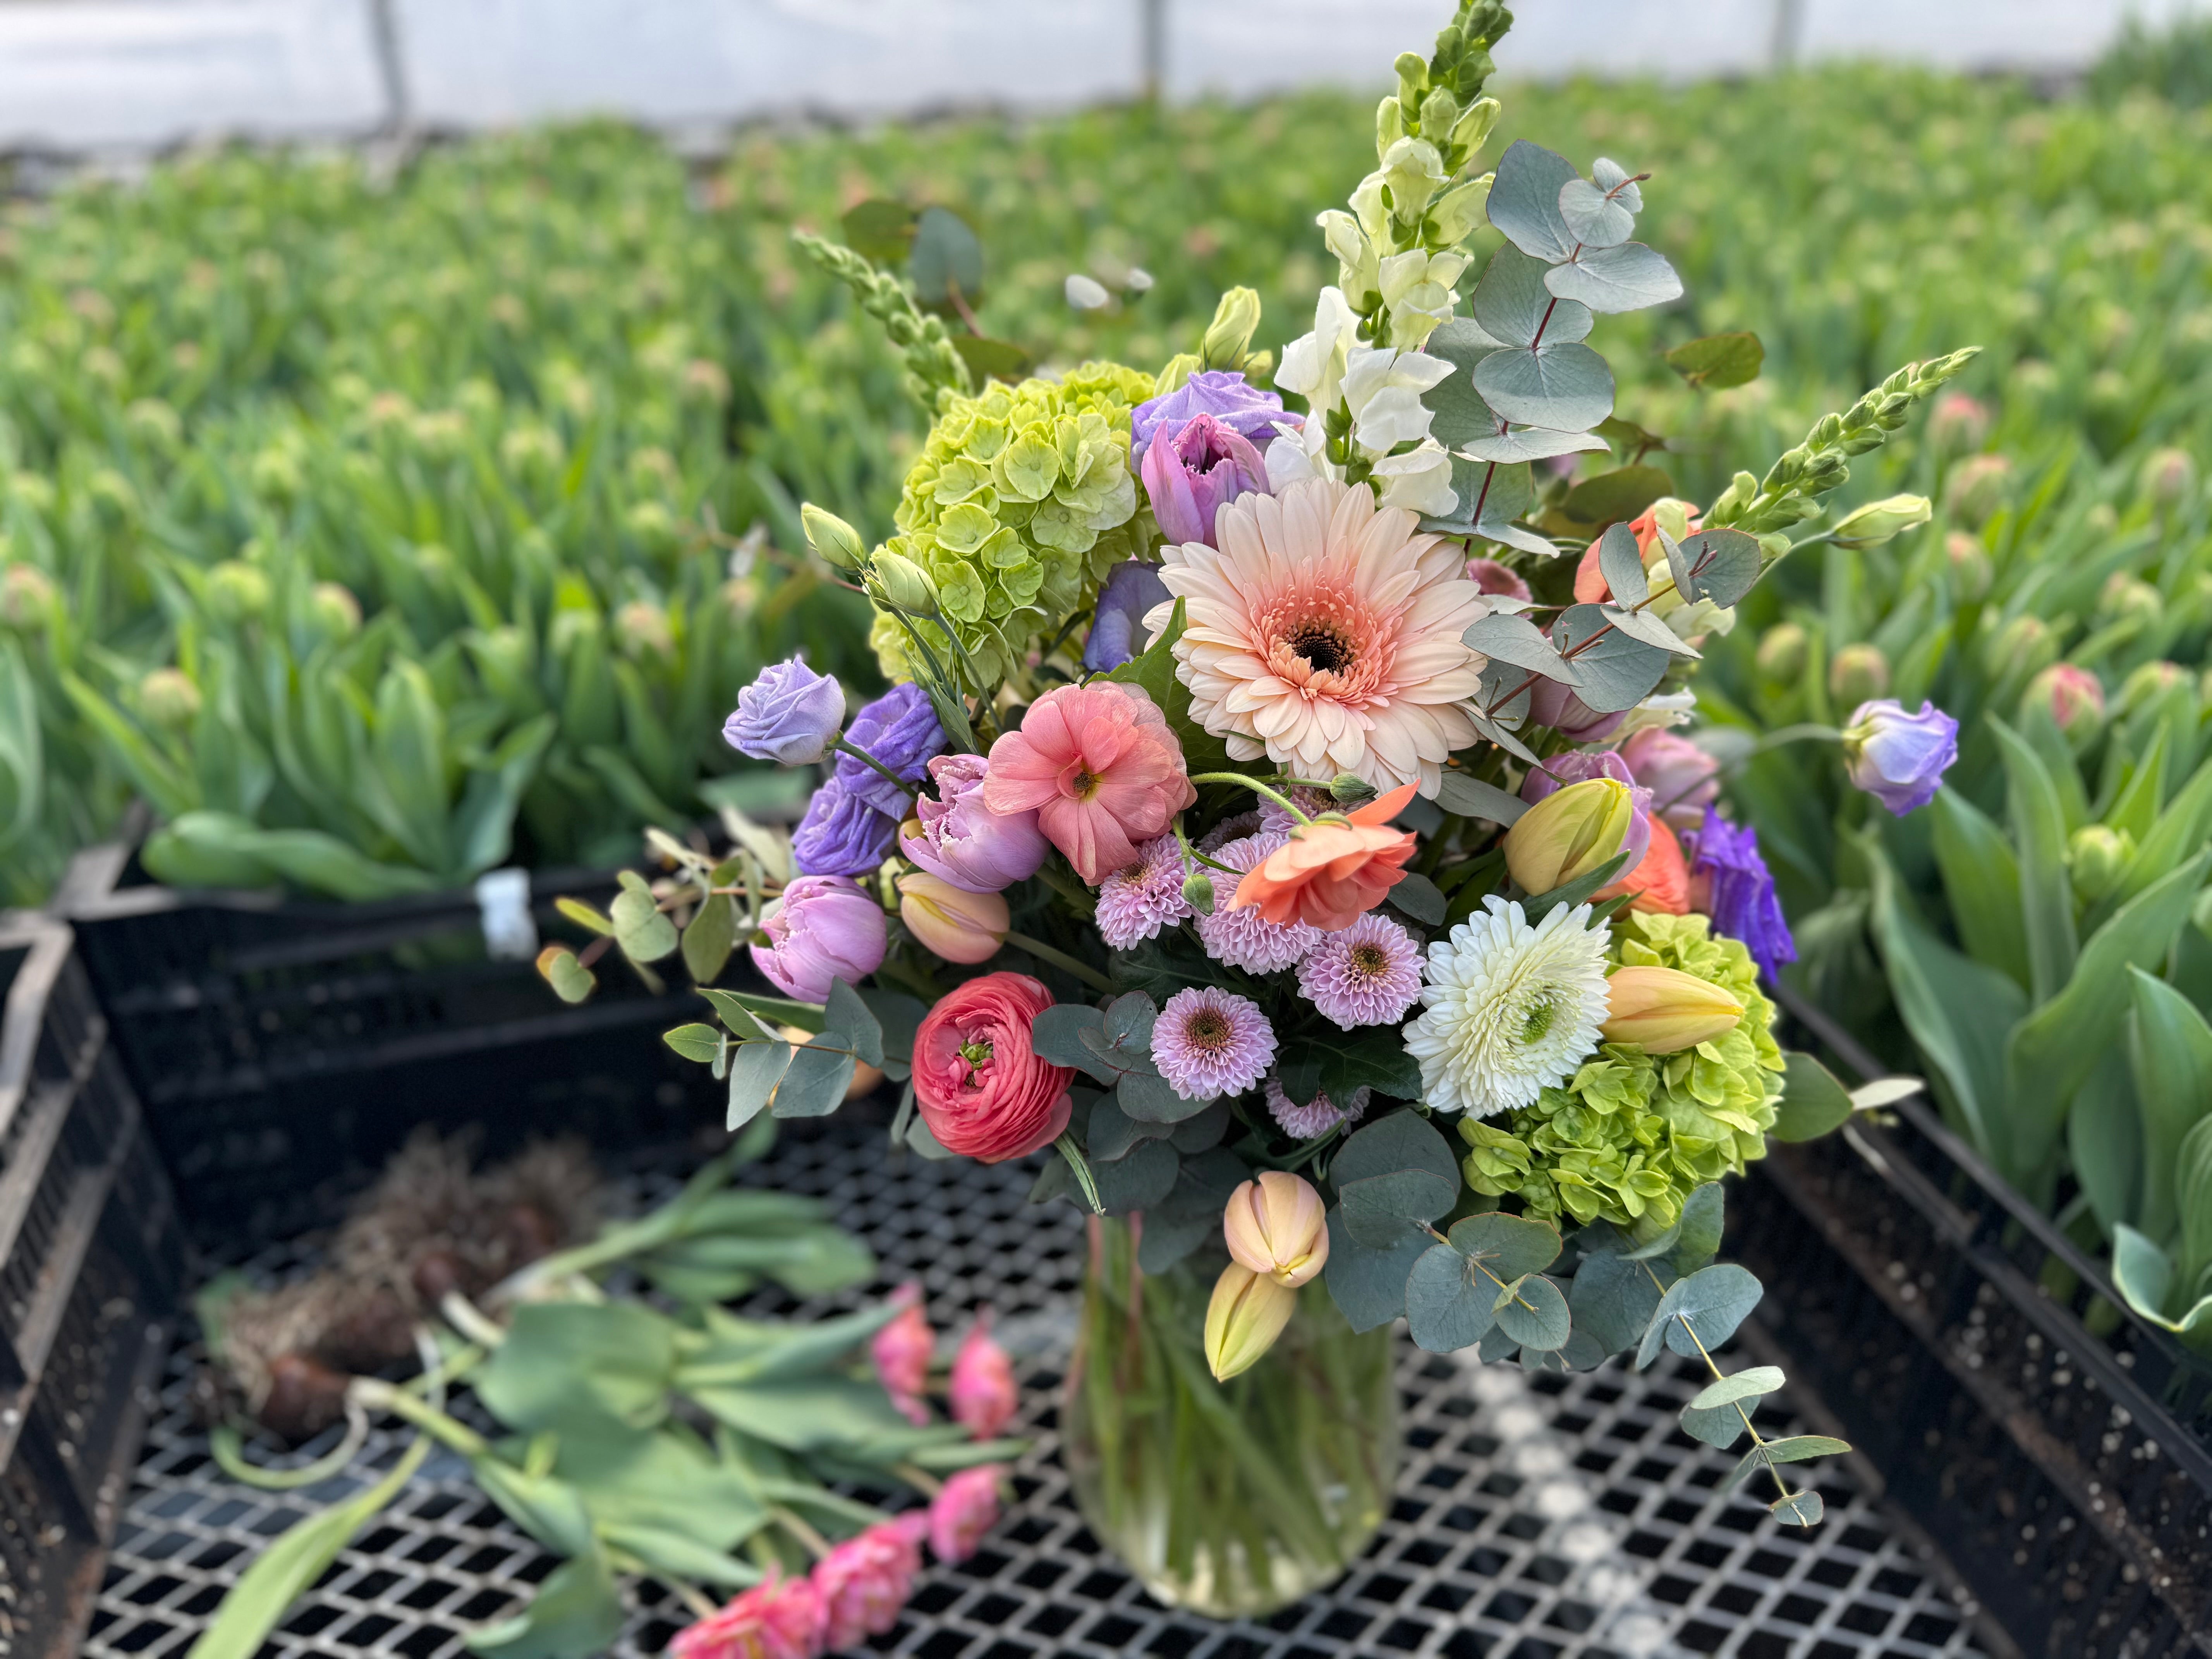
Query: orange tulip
x=1332 y=870
x=1661 y=882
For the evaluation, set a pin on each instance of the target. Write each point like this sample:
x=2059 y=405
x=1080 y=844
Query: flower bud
x=2200 y=913
x=1198 y=892
x=982 y=1391
x=334 y=610
x=1570 y=833
x=1957 y=424
x=1971 y=571
x=27 y=596
x=2168 y=476
x=1473 y=128
x=1978 y=488
x=1439 y=112
x=642 y=630
x=1663 y=1010
x=1235 y=319
x=2148 y=682
x=168 y=697
x=1883 y=521
x=1348 y=789
x=2097 y=857
x=829 y=536
x=1244 y=1316
x=1390 y=124
x=1782 y=652
x=1275 y=1224
x=2128 y=598
x=905 y=584
x=1858 y=674
x=237 y=591
x=2076 y=698
x=1460 y=211
x=950 y=922
x=2022 y=646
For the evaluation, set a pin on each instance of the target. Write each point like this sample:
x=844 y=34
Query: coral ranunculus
x=1329 y=874
x=1100 y=768
x=977 y=1080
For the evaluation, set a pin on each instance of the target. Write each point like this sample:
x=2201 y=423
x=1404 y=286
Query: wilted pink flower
x=865 y=1581
x=965 y=1507
x=778 y=1618
x=982 y=1383
x=1683 y=779
x=902 y=1352
x=963 y=841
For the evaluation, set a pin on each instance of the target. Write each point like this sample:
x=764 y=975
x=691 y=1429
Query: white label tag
x=510 y=932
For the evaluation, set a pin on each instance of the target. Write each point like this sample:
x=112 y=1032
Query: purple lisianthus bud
x=1117 y=625
x=1900 y=758
x=1580 y=766
x=823 y=929
x=1225 y=394
x=1192 y=471
x=842 y=835
x=900 y=729
x=789 y=715
x=1553 y=704
x=1730 y=882
x=1683 y=779
x=1492 y=577
x=963 y=841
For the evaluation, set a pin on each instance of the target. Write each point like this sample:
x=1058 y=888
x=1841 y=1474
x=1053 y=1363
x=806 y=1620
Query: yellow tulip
x=1663 y=1010
x=1275 y=1225
x=1246 y=1315
x=1568 y=833
x=950 y=922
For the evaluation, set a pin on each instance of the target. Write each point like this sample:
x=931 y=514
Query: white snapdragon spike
x=1313 y=364
x=1417 y=286
x=1415 y=171
x=1381 y=389
x=1357 y=261
x=1419 y=481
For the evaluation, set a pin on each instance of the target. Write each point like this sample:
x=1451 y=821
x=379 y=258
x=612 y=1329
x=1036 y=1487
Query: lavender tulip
x=1117 y=625
x=964 y=841
x=1225 y=395
x=823 y=929
x=842 y=835
x=1192 y=471
x=1900 y=758
x=789 y=715
x=1683 y=779
x=1561 y=770
x=1730 y=882
x=900 y=731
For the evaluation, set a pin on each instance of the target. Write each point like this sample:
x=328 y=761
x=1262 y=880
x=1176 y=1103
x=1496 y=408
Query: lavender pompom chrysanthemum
x=1368 y=974
x=1136 y=903
x=1274 y=821
x=1242 y=938
x=1730 y=882
x=1318 y=1116
x=1208 y=1042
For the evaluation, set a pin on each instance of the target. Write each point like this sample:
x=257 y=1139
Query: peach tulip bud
x=957 y=925
x=1662 y=1010
x=1570 y=833
x=1275 y=1225
x=1246 y=1315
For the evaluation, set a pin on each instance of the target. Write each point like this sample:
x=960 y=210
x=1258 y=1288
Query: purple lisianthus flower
x=1192 y=471
x=842 y=835
x=789 y=715
x=1900 y=758
x=1225 y=394
x=963 y=841
x=823 y=929
x=1117 y=626
x=1730 y=882
x=1580 y=766
x=1553 y=703
x=900 y=729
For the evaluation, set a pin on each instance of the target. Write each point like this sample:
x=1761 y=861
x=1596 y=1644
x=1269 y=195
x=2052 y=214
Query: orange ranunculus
x=1332 y=873
x=1661 y=882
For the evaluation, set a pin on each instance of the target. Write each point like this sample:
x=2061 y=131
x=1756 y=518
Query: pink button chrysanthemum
x=1136 y=903
x=1317 y=1116
x=1325 y=634
x=1244 y=939
x=1368 y=974
x=1208 y=1042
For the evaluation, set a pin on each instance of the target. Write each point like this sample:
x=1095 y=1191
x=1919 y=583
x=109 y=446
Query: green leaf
x=2104 y=1140
x=1698 y=1233
x=1335 y=1062
x=1711 y=1302
x=1798 y=1509
x=1532 y=1311
x=2046 y=896
x=1813 y=1103
x=743 y=1012
x=644 y=934
x=879 y=230
x=710 y=938
x=1395 y=1174
x=1981 y=879
x=662 y=1479
x=1112 y=1132
x=898 y=1017
x=1611 y=498
x=755 y=1069
x=1524 y=201
x=989 y=360
x=947 y=256
x=1419 y=898
x=2179 y=832
x=820 y=1073
x=1506 y=1246
x=288 y=1568
x=1577 y=892
x=583 y=915
x=2170 y=1051
x=2143 y=1273
x=575 y=1614
x=1511 y=307
x=1717 y=1415
x=1469 y=798
x=1614 y=671
x=1559 y=385
x=219 y=849
x=575 y=1364
x=701 y=1042
x=809 y=1414
x=1448 y=1305
x=1621 y=563
x=1718 y=360
x=558 y=966
x=1139 y=1179
x=1613 y=1298
x=847 y=1011
x=1722 y=566
x=1191 y=1212
x=1368 y=1282
x=1626 y=277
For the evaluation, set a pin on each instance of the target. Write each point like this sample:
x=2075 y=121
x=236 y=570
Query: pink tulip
x=983 y=1395
x=965 y=1507
x=961 y=840
x=865 y=1581
x=1683 y=779
x=902 y=1350
x=1193 y=470
x=779 y=1619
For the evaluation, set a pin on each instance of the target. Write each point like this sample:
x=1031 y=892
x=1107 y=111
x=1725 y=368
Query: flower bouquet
x=1268 y=824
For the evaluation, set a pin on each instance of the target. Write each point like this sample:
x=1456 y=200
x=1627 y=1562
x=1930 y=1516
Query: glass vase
x=1232 y=1498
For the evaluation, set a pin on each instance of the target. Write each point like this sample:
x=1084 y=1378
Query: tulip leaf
x=2170 y=1052
x=1367 y=1282
x=2181 y=830
x=1532 y=1311
x=1718 y=360
x=1614 y=1299
x=2046 y=896
x=1448 y=1303
x=1700 y=1312
x=580 y=1365
x=2104 y=1140
x=2143 y=1273
x=1577 y=892
x=1813 y=1103
x=1615 y=670
x=1981 y=879
x=1524 y=201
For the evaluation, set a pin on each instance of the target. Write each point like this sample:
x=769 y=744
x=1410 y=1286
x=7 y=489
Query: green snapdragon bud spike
x=1390 y=124
x=1413 y=79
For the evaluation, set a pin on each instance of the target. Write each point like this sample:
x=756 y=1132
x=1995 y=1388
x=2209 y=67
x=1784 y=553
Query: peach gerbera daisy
x=1325 y=634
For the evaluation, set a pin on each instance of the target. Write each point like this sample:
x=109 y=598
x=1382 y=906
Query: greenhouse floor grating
x=1537 y=1516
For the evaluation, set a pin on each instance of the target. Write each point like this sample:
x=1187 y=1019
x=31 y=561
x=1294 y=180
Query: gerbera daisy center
x=1325 y=648
x=1537 y=1021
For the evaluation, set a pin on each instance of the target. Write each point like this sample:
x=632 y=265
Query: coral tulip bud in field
x=2022 y=646
x=2097 y=857
x=1971 y=572
x=1782 y=652
x=1570 y=833
x=832 y=538
x=1957 y=424
x=2168 y=476
x=2076 y=698
x=905 y=584
x=1858 y=673
x=1880 y=521
x=168 y=697
x=1275 y=1225
x=950 y=922
x=1663 y=1010
x=1978 y=488
x=1246 y=1313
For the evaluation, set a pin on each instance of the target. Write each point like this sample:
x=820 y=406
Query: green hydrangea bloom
x=1632 y=1134
x=1020 y=503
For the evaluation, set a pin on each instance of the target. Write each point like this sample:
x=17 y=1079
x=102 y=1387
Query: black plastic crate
x=1949 y=1325
x=90 y=1264
x=284 y=1048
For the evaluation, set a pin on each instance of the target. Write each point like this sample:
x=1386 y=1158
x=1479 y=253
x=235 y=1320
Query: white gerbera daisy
x=1509 y=1008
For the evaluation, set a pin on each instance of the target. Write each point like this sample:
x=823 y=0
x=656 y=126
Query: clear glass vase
x=1229 y=1498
